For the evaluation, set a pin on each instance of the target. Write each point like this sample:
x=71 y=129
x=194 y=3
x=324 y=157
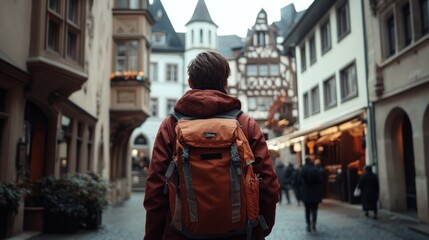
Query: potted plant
x=63 y=209
x=72 y=201
x=10 y=195
x=93 y=197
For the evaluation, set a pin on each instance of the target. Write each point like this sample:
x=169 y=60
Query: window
x=312 y=43
x=210 y=37
x=192 y=36
x=274 y=70
x=251 y=101
x=391 y=35
x=259 y=39
x=171 y=74
x=325 y=37
x=306 y=106
x=343 y=20
x=263 y=70
x=170 y=105
x=262 y=103
x=315 y=100
x=406 y=14
x=154 y=72
x=154 y=107
x=303 y=59
x=159 y=38
x=129 y=4
x=201 y=36
x=65 y=25
x=140 y=140
x=348 y=81
x=424 y=13
x=127 y=56
x=252 y=70
x=330 y=93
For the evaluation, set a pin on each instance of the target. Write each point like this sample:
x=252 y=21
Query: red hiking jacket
x=203 y=103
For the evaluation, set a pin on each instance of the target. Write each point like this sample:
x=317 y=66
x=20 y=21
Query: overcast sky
x=232 y=16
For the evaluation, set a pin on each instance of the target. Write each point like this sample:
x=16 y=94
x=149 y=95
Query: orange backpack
x=213 y=191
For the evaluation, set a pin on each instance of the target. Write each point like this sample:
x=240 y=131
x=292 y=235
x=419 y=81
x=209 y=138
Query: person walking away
x=287 y=180
x=296 y=184
x=279 y=167
x=311 y=192
x=318 y=165
x=369 y=186
x=208 y=73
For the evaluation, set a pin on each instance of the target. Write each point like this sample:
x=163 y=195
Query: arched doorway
x=400 y=157
x=409 y=167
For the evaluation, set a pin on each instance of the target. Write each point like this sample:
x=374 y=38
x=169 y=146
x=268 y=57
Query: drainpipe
x=370 y=109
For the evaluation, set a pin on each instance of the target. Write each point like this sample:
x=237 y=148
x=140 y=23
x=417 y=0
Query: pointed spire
x=201 y=14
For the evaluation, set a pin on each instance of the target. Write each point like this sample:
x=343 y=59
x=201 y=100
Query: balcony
x=129 y=104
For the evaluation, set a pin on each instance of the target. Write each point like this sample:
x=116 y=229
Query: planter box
x=59 y=223
x=93 y=221
x=33 y=219
x=5 y=223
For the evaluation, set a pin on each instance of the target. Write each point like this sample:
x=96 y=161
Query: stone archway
x=140 y=162
x=400 y=161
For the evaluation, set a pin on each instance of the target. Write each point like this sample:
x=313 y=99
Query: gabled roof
x=163 y=24
x=201 y=14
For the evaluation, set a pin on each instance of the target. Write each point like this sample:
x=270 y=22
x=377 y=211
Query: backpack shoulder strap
x=179 y=116
x=233 y=114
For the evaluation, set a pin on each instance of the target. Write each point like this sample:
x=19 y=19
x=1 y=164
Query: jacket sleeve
x=155 y=201
x=269 y=185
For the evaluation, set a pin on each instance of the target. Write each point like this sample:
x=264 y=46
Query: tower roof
x=201 y=14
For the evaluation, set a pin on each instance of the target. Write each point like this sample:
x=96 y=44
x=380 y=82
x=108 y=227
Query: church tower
x=201 y=34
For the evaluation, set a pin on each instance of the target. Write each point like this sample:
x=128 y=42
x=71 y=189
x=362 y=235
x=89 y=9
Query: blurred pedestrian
x=280 y=169
x=296 y=184
x=369 y=186
x=318 y=165
x=311 y=192
x=287 y=180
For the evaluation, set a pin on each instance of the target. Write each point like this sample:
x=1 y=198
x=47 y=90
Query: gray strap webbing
x=235 y=196
x=235 y=172
x=190 y=196
x=236 y=160
x=168 y=174
x=177 y=217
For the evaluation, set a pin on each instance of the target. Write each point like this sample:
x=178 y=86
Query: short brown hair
x=208 y=70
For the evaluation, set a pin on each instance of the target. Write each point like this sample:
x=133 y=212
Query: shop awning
x=324 y=125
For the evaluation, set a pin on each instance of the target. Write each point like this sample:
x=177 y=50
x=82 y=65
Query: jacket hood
x=205 y=103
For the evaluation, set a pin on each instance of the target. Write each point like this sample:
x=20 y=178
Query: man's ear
x=190 y=83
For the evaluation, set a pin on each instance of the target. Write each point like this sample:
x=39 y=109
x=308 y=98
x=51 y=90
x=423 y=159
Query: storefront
x=340 y=146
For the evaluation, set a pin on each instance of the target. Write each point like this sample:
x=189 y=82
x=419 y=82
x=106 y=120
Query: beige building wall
x=398 y=87
x=94 y=97
x=15 y=31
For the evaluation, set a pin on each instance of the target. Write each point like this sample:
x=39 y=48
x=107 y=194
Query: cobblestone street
x=336 y=220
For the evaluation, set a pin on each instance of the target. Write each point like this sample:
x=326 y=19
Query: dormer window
x=259 y=39
x=158 y=38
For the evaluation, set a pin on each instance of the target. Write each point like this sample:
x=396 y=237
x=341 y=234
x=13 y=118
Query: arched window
x=140 y=140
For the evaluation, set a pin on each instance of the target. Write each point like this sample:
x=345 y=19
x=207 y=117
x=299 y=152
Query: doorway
x=409 y=167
